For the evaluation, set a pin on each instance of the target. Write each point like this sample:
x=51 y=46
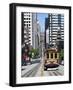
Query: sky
x=41 y=18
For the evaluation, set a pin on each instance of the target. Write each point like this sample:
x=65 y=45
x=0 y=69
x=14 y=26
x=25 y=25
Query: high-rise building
x=53 y=23
x=34 y=29
x=46 y=32
x=35 y=32
x=30 y=30
x=37 y=35
x=42 y=39
x=26 y=28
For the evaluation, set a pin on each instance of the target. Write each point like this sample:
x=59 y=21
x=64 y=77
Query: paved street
x=36 y=70
x=56 y=72
x=31 y=69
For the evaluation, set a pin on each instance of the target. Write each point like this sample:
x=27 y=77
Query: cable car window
x=55 y=55
x=47 y=55
x=51 y=55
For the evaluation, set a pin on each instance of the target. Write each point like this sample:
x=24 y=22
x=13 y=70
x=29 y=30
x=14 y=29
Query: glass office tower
x=53 y=24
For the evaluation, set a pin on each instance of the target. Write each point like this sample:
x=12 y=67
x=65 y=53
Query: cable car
x=51 y=58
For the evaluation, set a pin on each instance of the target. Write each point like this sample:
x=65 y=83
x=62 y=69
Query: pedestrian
x=24 y=59
x=28 y=60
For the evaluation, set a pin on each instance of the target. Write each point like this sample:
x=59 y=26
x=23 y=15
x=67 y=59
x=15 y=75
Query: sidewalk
x=36 y=59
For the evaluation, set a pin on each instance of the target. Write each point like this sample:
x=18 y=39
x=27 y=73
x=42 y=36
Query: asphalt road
x=37 y=70
x=32 y=72
x=31 y=69
x=57 y=72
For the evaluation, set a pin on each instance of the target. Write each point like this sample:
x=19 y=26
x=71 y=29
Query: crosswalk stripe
x=55 y=73
x=59 y=73
x=50 y=73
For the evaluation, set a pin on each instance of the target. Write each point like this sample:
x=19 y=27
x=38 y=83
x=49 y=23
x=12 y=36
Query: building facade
x=26 y=28
x=53 y=24
x=30 y=31
x=35 y=32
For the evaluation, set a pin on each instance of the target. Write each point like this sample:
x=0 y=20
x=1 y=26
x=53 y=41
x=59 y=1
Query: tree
x=62 y=54
x=33 y=53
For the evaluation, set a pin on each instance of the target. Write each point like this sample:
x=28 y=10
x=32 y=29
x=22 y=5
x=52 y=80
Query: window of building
x=29 y=18
x=29 y=24
x=29 y=27
x=24 y=25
